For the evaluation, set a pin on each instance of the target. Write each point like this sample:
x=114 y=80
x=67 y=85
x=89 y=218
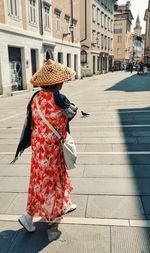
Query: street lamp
x=94 y=43
x=71 y=28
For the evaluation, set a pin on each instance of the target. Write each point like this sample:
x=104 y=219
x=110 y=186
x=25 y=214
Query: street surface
x=112 y=178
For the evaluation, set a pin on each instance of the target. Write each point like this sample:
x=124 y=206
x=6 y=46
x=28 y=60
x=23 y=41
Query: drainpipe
x=85 y=21
x=40 y=17
x=71 y=25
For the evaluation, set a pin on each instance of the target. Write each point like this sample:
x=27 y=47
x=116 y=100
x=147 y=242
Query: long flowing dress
x=50 y=185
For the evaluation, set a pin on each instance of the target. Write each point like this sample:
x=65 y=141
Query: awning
x=147 y=55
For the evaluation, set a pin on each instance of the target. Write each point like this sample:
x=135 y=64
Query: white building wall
x=5 y=87
x=69 y=49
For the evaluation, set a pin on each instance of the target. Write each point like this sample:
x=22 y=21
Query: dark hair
x=49 y=87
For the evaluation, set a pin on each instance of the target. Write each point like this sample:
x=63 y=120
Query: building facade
x=123 y=42
x=147 y=36
x=27 y=39
x=96 y=17
x=138 y=43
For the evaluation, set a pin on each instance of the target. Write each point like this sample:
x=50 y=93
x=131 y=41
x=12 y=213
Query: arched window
x=83 y=56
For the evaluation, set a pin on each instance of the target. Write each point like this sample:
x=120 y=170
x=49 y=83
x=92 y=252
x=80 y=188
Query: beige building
x=147 y=35
x=123 y=41
x=138 y=43
x=96 y=36
x=66 y=32
x=29 y=36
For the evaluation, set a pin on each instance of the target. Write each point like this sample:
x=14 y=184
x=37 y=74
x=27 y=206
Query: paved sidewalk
x=112 y=179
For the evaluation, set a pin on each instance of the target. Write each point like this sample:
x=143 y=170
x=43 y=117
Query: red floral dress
x=50 y=185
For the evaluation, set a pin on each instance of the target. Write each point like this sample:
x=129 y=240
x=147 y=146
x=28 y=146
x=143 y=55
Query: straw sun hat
x=52 y=73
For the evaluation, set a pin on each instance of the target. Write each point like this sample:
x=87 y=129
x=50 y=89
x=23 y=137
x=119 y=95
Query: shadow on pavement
x=135 y=83
x=139 y=163
x=21 y=241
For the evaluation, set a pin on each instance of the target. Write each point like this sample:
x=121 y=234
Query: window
x=58 y=20
x=102 y=40
x=93 y=13
x=68 y=60
x=83 y=56
x=32 y=11
x=108 y=43
x=118 y=50
x=13 y=8
x=46 y=16
x=108 y=24
x=105 y=21
x=112 y=23
x=67 y=23
x=98 y=16
x=119 y=39
x=98 y=63
x=117 y=28
x=102 y=19
x=60 y=57
x=93 y=37
x=98 y=39
x=111 y=44
x=75 y=27
x=105 y=42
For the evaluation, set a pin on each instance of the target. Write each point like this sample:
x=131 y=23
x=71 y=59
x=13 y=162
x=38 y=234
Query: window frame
x=47 y=23
x=58 y=20
x=13 y=8
x=33 y=12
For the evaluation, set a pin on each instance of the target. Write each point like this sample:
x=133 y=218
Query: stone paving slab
x=117 y=147
x=5 y=201
x=102 y=140
x=14 y=184
x=73 y=238
x=17 y=205
x=130 y=147
x=117 y=207
x=130 y=240
x=83 y=159
x=23 y=170
x=117 y=171
x=70 y=238
x=19 y=170
x=141 y=159
x=13 y=147
x=146 y=204
x=111 y=186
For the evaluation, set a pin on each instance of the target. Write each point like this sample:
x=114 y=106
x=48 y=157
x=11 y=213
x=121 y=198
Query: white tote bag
x=68 y=145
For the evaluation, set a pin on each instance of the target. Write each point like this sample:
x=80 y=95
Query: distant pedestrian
x=131 y=67
x=50 y=185
x=145 y=70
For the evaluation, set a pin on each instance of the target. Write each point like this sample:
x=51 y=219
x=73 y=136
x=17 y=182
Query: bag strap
x=46 y=122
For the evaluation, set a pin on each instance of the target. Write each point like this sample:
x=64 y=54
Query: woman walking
x=50 y=185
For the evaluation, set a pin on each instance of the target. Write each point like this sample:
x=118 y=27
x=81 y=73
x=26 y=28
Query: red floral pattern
x=50 y=185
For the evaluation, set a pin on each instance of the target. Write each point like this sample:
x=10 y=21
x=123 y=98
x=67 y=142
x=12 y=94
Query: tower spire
x=138 y=20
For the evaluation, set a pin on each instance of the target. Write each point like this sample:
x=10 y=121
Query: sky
x=137 y=6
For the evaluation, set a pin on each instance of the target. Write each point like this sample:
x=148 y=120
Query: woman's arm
x=69 y=109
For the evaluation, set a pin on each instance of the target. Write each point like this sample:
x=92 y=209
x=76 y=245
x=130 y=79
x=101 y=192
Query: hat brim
x=52 y=73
